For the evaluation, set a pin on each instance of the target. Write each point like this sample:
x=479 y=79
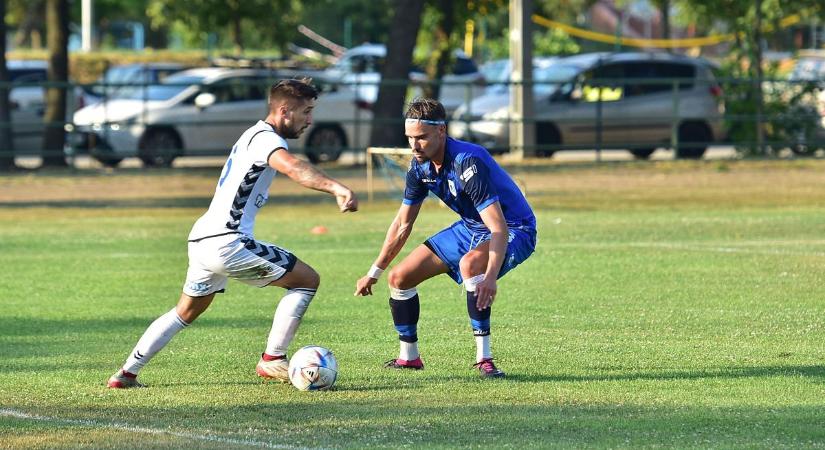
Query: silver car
x=633 y=101
x=202 y=112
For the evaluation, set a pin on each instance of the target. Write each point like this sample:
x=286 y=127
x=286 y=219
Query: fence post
x=674 y=121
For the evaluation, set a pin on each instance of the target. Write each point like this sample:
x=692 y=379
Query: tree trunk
x=395 y=76
x=30 y=24
x=665 y=5
x=237 y=36
x=443 y=50
x=57 y=32
x=6 y=145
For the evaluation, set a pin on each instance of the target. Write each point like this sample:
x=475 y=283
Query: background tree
x=395 y=74
x=272 y=21
x=57 y=37
x=347 y=22
x=756 y=117
x=6 y=146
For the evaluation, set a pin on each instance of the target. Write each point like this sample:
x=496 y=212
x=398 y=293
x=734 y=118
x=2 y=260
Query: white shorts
x=214 y=260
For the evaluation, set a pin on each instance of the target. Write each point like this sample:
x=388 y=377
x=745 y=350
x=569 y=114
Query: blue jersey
x=470 y=180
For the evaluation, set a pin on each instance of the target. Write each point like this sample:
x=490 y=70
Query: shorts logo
x=198 y=287
x=260 y=200
x=451 y=185
x=472 y=170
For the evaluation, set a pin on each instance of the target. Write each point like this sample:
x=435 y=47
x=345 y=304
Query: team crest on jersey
x=472 y=170
x=451 y=185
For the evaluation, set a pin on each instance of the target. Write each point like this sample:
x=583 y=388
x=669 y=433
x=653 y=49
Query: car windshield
x=555 y=73
x=168 y=88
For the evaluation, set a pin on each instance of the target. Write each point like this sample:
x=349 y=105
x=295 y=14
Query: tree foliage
x=757 y=116
x=237 y=22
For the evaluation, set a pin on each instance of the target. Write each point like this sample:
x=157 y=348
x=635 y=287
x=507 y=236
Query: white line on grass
x=142 y=430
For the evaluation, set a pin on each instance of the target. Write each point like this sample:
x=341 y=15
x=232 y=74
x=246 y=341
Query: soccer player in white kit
x=221 y=244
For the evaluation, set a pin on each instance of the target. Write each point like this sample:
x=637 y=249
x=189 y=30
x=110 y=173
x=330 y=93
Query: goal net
x=389 y=163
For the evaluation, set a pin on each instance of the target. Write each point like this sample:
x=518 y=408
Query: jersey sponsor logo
x=428 y=180
x=472 y=170
x=451 y=185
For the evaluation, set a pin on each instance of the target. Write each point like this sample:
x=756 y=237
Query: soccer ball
x=313 y=368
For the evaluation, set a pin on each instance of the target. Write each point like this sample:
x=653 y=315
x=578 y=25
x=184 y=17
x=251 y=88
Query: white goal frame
x=397 y=152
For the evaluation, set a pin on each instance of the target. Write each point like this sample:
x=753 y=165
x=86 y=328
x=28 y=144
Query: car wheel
x=642 y=153
x=105 y=156
x=107 y=161
x=159 y=148
x=325 y=144
x=693 y=141
x=547 y=135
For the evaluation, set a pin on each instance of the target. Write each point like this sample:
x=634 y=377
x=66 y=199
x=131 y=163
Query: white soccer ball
x=313 y=368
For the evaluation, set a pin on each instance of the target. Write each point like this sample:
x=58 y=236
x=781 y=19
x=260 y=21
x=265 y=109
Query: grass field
x=673 y=304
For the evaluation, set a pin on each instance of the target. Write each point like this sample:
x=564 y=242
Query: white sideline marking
x=144 y=430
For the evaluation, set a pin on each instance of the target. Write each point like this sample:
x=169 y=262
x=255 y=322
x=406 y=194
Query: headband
x=427 y=121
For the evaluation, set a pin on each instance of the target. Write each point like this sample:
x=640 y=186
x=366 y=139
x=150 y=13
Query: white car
x=27 y=99
x=202 y=112
x=360 y=68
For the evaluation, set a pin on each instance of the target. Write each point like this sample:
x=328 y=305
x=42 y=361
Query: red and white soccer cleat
x=415 y=364
x=276 y=369
x=124 y=380
x=487 y=369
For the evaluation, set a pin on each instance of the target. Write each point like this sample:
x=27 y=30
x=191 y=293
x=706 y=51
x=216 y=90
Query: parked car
x=810 y=68
x=124 y=80
x=27 y=98
x=361 y=67
x=202 y=112
x=631 y=93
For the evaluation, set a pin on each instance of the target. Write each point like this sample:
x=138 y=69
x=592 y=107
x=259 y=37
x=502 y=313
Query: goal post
x=392 y=161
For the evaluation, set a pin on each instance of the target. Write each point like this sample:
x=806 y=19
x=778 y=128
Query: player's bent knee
x=473 y=263
x=397 y=279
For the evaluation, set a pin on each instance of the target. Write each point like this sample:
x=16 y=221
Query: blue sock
x=405 y=317
x=479 y=320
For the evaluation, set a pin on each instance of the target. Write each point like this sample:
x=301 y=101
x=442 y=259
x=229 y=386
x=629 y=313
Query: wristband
x=375 y=272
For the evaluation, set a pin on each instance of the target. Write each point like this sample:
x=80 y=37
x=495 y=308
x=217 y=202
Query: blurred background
x=101 y=83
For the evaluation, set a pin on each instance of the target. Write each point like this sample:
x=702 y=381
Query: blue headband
x=427 y=121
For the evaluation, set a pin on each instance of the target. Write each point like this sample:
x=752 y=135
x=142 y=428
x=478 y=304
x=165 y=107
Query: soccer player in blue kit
x=497 y=232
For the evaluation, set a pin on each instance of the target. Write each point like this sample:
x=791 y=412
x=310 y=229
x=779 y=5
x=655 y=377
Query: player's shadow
x=733 y=372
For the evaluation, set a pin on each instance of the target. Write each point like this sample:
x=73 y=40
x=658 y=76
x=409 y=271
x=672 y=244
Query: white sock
x=159 y=333
x=483 y=348
x=288 y=316
x=409 y=351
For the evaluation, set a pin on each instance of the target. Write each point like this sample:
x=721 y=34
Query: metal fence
x=158 y=123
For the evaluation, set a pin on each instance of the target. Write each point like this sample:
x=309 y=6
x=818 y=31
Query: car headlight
x=500 y=114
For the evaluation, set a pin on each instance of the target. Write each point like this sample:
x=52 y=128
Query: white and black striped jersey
x=243 y=188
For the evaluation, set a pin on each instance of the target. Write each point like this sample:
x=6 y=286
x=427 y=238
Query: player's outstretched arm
x=311 y=177
x=397 y=235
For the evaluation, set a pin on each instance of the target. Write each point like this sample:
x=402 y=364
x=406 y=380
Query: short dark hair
x=291 y=90
x=425 y=108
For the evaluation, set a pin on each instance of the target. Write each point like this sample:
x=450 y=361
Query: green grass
x=645 y=319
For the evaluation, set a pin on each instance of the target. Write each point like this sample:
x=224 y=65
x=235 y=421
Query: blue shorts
x=455 y=241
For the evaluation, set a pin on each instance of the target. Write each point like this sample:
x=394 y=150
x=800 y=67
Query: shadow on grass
x=733 y=372
x=323 y=420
